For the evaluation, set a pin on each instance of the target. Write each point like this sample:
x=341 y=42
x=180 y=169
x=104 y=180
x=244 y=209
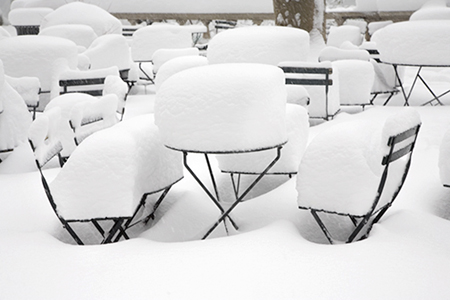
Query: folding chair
x=84 y=200
x=324 y=103
x=363 y=204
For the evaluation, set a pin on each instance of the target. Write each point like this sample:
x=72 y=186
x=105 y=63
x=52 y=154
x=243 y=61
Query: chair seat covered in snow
x=321 y=83
x=356 y=169
x=224 y=109
x=108 y=179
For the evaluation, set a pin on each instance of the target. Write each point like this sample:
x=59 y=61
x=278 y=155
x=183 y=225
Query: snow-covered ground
x=405 y=256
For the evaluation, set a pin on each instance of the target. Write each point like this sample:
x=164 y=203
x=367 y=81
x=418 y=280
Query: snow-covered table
x=420 y=44
x=223 y=109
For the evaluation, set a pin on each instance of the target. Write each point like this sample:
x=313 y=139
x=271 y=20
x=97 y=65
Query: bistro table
x=407 y=95
x=214 y=194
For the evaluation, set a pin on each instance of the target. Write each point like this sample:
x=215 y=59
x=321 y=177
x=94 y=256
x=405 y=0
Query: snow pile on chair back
x=341 y=168
x=28 y=16
x=27 y=87
x=356 y=79
x=297 y=125
x=176 y=65
x=224 y=107
x=110 y=171
x=418 y=43
x=109 y=50
x=148 y=39
x=82 y=35
x=37 y=56
x=163 y=55
x=14 y=117
x=82 y=13
x=259 y=44
x=66 y=103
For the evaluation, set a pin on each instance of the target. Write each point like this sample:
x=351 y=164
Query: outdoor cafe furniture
x=27 y=20
x=352 y=172
x=148 y=39
x=38 y=56
x=223 y=109
x=419 y=44
x=14 y=117
x=108 y=180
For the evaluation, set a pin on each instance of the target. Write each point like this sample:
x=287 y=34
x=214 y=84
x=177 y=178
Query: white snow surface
x=389 y=5
x=83 y=13
x=37 y=56
x=259 y=44
x=297 y=125
x=331 y=53
x=344 y=33
x=423 y=42
x=109 y=172
x=27 y=87
x=148 y=39
x=28 y=16
x=223 y=108
x=80 y=34
x=176 y=65
x=432 y=10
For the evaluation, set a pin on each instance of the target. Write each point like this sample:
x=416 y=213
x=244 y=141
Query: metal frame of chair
x=326 y=81
x=375 y=213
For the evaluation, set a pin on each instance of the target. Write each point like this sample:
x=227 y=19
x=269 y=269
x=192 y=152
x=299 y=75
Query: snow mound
x=341 y=168
x=147 y=40
x=28 y=16
x=80 y=34
x=109 y=50
x=259 y=44
x=432 y=10
x=163 y=55
x=82 y=13
x=331 y=53
x=297 y=125
x=27 y=87
x=176 y=65
x=110 y=171
x=341 y=34
x=223 y=108
x=417 y=43
x=356 y=78
x=37 y=56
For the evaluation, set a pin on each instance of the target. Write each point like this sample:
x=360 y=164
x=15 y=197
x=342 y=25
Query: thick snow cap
x=110 y=171
x=82 y=35
x=82 y=13
x=28 y=16
x=37 y=56
x=341 y=168
x=223 y=108
x=109 y=50
x=259 y=44
x=416 y=43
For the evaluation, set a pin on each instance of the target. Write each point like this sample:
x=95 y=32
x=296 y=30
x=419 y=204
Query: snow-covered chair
x=27 y=20
x=148 y=39
x=99 y=82
x=356 y=74
x=344 y=33
x=80 y=115
x=297 y=126
x=224 y=109
x=161 y=56
x=355 y=170
x=321 y=83
x=14 y=117
x=108 y=179
x=80 y=34
x=29 y=88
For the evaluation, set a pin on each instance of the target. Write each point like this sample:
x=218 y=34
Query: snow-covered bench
x=356 y=169
x=109 y=178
